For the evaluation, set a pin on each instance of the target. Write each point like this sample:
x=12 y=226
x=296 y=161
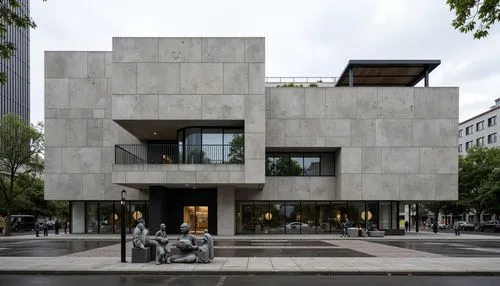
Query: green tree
x=435 y=208
x=237 y=149
x=10 y=18
x=20 y=164
x=475 y=16
x=478 y=178
x=283 y=167
x=196 y=155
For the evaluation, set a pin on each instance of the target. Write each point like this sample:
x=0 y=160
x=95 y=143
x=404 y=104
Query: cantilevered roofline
x=386 y=72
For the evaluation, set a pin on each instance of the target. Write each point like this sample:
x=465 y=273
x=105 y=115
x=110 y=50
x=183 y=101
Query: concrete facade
x=389 y=143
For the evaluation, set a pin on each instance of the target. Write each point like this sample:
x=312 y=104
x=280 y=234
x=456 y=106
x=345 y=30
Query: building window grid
x=460 y=148
x=492 y=121
x=468 y=145
x=480 y=126
x=480 y=141
x=492 y=138
x=468 y=130
x=289 y=155
x=460 y=133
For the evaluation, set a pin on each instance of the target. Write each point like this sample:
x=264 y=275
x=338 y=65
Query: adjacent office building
x=480 y=130
x=194 y=132
x=15 y=93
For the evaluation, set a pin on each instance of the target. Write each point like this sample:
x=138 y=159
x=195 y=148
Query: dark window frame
x=288 y=156
x=492 y=121
x=480 y=125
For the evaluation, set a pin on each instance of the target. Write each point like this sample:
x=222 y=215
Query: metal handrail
x=178 y=154
x=303 y=79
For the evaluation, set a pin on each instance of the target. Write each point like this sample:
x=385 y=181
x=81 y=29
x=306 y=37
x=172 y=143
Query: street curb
x=239 y=273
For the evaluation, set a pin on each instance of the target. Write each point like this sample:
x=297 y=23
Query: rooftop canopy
x=387 y=72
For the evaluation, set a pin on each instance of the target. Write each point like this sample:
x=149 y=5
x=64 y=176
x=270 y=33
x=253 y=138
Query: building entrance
x=196 y=217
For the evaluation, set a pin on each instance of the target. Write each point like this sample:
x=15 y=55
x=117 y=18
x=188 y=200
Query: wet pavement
x=287 y=252
x=48 y=248
x=244 y=280
x=276 y=243
x=450 y=248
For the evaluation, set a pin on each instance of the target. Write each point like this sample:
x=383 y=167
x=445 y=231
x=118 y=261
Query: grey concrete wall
x=225 y=210
x=79 y=132
x=396 y=143
x=292 y=188
x=194 y=78
x=172 y=174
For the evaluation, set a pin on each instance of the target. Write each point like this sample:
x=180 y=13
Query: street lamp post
x=124 y=198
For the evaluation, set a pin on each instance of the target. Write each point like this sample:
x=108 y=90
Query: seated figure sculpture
x=141 y=237
x=162 y=250
x=206 y=250
x=187 y=246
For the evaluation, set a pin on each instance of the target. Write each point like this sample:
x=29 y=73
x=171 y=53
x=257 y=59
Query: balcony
x=308 y=81
x=136 y=154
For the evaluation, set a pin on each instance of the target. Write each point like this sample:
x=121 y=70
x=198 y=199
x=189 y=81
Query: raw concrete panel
x=87 y=92
x=65 y=64
x=371 y=160
x=436 y=102
x=63 y=187
x=255 y=120
x=435 y=132
x=236 y=78
x=416 y=187
x=57 y=93
x=81 y=160
x=124 y=78
x=255 y=146
x=223 y=107
x=135 y=106
x=96 y=64
x=255 y=50
x=179 y=106
x=158 y=78
x=94 y=133
x=108 y=64
x=394 y=132
x=438 y=160
x=221 y=50
x=256 y=78
x=315 y=102
x=350 y=187
x=201 y=78
x=447 y=187
x=98 y=113
x=180 y=49
x=300 y=142
x=55 y=132
x=275 y=133
x=255 y=171
x=400 y=160
x=135 y=50
x=75 y=133
x=363 y=132
x=366 y=102
x=341 y=102
x=380 y=187
x=350 y=158
x=287 y=102
x=396 y=102
x=94 y=186
x=107 y=159
x=53 y=159
x=225 y=211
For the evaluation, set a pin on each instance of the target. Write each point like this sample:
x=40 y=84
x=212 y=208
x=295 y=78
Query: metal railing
x=130 y=154
x=298 y=79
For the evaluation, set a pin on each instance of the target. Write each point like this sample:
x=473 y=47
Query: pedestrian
x=435 y=228
x=406 y=225
x=457 y=229
x=65 y=226
x=45 y=227
x=37 y=228
x=57 y=226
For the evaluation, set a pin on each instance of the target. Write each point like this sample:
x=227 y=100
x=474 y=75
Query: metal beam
x=426 y=84
x=351 y=79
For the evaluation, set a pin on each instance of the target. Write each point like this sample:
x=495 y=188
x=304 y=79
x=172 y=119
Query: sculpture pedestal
x=140 y=255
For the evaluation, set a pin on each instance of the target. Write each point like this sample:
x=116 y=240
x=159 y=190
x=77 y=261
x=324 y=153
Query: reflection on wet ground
x=454 y=248
x=48 y=248
x=244 y=280
x=285 y=252
x=275 y=243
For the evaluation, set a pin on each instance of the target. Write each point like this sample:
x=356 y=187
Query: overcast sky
x=303 y=38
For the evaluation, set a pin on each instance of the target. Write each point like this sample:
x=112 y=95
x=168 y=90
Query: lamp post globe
x=122 y=226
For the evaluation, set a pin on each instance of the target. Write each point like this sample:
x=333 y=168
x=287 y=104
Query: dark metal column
x=122 y=228
x=351 y=78
x=397 y=215
x=426 y=78
x=418 y=218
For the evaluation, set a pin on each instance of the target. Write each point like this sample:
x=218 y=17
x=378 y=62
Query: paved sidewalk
x=408 y=236
x=256 y=265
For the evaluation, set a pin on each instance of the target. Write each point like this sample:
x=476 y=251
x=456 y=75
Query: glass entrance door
x=196 y=217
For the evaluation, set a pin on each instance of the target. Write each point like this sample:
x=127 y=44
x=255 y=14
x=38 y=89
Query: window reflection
x=300 y=164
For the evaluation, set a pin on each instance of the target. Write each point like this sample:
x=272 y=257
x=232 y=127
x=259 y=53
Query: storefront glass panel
x=324 y=217
x=92 y=219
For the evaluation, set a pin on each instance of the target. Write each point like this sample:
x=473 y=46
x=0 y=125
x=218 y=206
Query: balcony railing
x=320 y=81
x=178 y=154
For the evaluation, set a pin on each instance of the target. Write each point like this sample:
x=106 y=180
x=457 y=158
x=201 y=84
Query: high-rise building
x=15 y=93
x=194 y=132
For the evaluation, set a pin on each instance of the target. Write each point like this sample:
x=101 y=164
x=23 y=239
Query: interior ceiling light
x=155 y=133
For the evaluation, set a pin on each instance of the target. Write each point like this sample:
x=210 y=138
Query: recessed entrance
x=196 y=217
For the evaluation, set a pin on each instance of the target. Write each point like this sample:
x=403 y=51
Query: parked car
x=22 y=222
x=490 y=226
x=463 y=225
x=296 y=225
x=442 y=226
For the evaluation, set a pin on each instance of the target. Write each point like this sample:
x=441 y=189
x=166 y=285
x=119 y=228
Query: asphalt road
x=243 y=280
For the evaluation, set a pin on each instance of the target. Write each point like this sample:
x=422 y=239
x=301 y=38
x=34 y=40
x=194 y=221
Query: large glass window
x=106 y=217
x=354 y=212
x=371 y=215
x=339 y=213
x=92 y=219
x=292 y=219
x=277 y=218
x=247 y=222
x=300 y=164
x=385 y=215
x=308 y=217
x=262 y=216
x=324 y=217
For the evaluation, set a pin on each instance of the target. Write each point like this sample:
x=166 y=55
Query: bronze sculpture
x=187 y=246
x=162 y=249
